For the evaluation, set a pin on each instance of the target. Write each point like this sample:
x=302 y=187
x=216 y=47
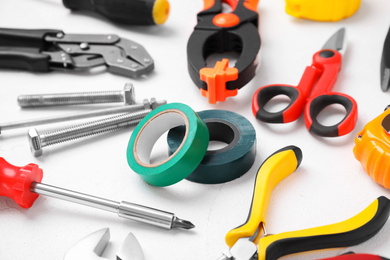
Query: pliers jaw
x=218 y=32
x=94 y=245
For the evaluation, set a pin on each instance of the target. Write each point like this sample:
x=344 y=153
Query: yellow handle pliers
x=243 y=240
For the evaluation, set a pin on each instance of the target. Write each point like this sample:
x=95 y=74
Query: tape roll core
x=152 y=130
x=184 y=160
x=227 y=163
x=223 y=131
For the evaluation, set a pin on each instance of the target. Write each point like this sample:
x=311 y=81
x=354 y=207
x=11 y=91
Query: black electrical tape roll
x=230 y=162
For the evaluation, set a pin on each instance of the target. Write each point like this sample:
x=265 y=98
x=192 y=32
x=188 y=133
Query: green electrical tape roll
x=230 y=162
x=184 y=160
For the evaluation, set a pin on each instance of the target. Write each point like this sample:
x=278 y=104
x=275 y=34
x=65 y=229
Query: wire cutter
x=92 y=247
x=312 y=94
x=45 y=50
x=218 y=32
x=243 y=239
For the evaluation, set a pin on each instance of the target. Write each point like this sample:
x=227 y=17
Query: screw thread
x=70 y=99
x=92 y=128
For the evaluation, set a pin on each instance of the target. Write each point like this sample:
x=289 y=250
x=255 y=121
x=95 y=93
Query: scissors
x=312 y=94
x=243 y=240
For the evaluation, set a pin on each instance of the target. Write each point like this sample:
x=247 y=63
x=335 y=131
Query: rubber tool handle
x=16 y=182
x=21 y=49
x=312 y=95
x=350 y=232
x=25 y=38
x=321 y=96
x=32 y=61
x=352 y=256
x=274 y=169
x=316 y=105
x=133 y=12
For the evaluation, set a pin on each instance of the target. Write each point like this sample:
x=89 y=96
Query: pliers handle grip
x=353 y=256
x=274 y=169
x=347 y=233
x=350 y=232
x=22 y=49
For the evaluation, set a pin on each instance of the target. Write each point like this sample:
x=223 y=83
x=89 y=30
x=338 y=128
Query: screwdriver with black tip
x=131 y=12
x=23 y=185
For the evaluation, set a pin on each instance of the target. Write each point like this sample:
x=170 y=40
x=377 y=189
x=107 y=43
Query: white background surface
x=330 y=185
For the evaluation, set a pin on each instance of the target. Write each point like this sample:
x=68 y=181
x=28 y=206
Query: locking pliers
x=45 y=50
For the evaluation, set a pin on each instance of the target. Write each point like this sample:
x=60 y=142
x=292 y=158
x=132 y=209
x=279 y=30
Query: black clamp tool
x=215 y=32
x=45 y=50
x=385 y=64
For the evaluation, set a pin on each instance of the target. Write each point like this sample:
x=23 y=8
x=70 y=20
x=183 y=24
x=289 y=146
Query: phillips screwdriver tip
x=181 y=223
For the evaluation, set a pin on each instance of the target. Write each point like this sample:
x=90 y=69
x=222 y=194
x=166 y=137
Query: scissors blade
x=336 y=42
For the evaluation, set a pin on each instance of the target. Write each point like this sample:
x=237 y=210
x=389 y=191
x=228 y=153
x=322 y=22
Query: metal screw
x=81 y=98
x=38 y=141
x=84 y=46
x=75 y=116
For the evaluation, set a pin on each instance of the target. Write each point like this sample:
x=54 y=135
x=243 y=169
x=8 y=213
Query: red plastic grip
x=355 y=257
x=16 y=182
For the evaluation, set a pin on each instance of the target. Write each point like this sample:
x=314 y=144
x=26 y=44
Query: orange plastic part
x=372 y=150
x=226 y=20
x=216 y=79
x=207 y=4
x=252 y=4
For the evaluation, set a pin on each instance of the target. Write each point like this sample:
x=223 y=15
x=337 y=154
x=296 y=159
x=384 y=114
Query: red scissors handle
x=312 y=94
x=329 y=62
x=298 y=96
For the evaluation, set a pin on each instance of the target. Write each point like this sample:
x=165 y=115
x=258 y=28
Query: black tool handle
x=25 y=37
x=353 y=231
x=134 y=12
x=24 y=60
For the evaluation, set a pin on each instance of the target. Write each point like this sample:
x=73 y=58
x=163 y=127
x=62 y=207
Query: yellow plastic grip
x=347 y=233
x=161 y=10
x=322 y=10
x=277 y=167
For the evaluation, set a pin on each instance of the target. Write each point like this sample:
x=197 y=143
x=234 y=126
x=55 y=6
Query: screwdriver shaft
x=76 y=197
x=123 y=209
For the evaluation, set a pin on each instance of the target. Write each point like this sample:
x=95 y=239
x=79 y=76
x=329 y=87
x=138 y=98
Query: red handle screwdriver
x=23 y=185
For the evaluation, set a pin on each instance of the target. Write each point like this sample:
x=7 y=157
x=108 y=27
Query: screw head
x=155 y=104
x=147 y=104
x=84 y=46
x=35 y=142
x=128 y=94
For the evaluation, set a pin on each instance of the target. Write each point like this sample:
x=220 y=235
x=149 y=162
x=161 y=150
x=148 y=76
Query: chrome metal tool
x=23 y=185
x=44 y=50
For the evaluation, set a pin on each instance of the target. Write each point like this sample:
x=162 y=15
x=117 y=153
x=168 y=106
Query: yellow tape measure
x=372 y=148
x=322 y=10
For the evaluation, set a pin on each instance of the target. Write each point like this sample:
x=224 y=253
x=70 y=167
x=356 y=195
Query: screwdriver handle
x=16 y=182
x=132 y=12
